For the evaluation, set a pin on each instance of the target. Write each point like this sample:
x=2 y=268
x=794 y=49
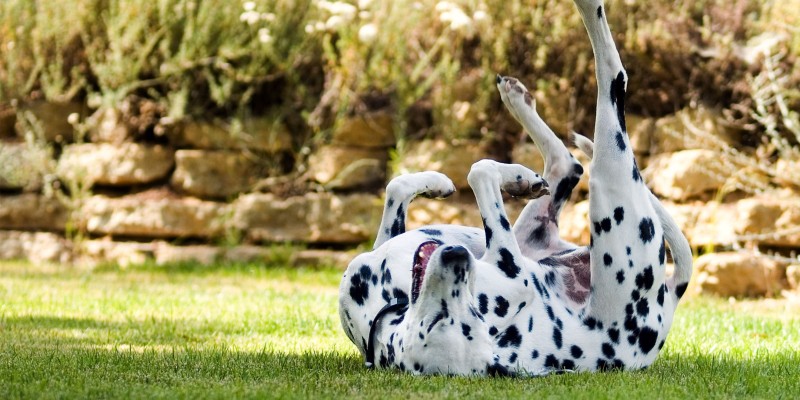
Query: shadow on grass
x=42 y=363
x=73 y=333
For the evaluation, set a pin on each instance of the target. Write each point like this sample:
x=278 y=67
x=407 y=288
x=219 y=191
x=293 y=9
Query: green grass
x=196 y=332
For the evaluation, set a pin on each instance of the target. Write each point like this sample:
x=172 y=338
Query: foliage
x=432 y=62
x=251 y=331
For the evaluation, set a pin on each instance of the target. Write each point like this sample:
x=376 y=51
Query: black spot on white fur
x=507 y=265
x=618 y=98
x=501 y=309
x=646 y=230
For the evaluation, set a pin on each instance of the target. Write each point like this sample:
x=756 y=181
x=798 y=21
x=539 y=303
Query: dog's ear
x=496 y=370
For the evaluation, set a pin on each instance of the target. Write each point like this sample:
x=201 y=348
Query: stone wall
x=207 y=191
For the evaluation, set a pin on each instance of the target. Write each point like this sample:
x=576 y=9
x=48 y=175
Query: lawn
x=249 y=331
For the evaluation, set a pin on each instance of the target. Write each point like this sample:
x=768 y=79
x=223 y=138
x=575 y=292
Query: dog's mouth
x=421 y=259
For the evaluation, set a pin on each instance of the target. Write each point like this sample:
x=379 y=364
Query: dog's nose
x=499 y=79
x=454 y=253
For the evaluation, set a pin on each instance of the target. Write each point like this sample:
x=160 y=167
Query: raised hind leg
x=627 y=250
x=536 y=228
x=400 y=192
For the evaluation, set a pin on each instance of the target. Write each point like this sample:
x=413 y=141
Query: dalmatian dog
x=459 y=300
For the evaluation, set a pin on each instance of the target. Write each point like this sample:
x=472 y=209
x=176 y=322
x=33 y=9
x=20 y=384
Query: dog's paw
x=520 y=181
x=515 y=96
x=436 y=185
x=430 y=184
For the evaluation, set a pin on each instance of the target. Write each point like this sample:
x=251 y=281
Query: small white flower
x=264 y=36
x=368 y=33
x=461 y=109
x=249 y=5
x=334 y=22
x=480 y=16
x=364 y=14
x=319 y=26
x=10 y=45
x=458 y=20
x=443 y=6
x=309 y=28
x=73 y=118
x=251 y=17
x=364 y=4
x=346 y=11
x=269 y=17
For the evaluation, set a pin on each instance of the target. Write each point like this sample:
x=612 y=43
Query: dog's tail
x=680 y=249
x=678 y=245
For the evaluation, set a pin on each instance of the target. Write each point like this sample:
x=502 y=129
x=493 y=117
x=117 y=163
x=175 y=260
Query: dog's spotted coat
x=521 y=300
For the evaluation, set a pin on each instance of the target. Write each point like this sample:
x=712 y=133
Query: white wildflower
x=443 y=6
x=346 y=11
x=461 y=109
x=368 y=33
x=249 y=5
x=73 y=118
x=269 y=17
x=334 y=22
x=364 y=14
x=458 y=20
x=10 y=45
x=264 y=36
x=480 y=16
x=309 y=28
x=319 y=26
x=251 y=17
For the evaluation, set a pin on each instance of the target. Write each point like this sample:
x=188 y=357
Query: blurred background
x=227 y=131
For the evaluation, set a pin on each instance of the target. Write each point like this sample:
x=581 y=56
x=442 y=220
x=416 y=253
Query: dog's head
x=445 y=333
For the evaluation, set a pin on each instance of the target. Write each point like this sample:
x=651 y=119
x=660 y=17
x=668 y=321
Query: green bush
x=432 y=63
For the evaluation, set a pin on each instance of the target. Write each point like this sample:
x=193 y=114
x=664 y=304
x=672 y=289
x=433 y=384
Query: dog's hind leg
x=400 y=192
x=627 y=248
x=678 y=245
x=536 y=228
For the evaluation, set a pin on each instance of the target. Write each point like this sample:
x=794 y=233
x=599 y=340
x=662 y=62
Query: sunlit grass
x=247 y=331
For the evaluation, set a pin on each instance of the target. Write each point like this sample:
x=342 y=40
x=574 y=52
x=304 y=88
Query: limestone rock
x=214 y=174
x=23 y=166
x=30 y=211
x=769 y=220
x=528 y=155
x=153 y=217
x=460 y=209
x=738 y=274
x=313 y=218
x=202 y=254
x=124 y=254
x=255 y=134
x=341 y=167
x=451 y=159
x=793 y=276
x=369 y=130
x=318 y=258
x=680 y=131
x=573 y=225
x=36 y=247
x=713 y=224
x=118 y=165
x=685 y=174
x=52 y=118
x=108 y=125
x=640 y=133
